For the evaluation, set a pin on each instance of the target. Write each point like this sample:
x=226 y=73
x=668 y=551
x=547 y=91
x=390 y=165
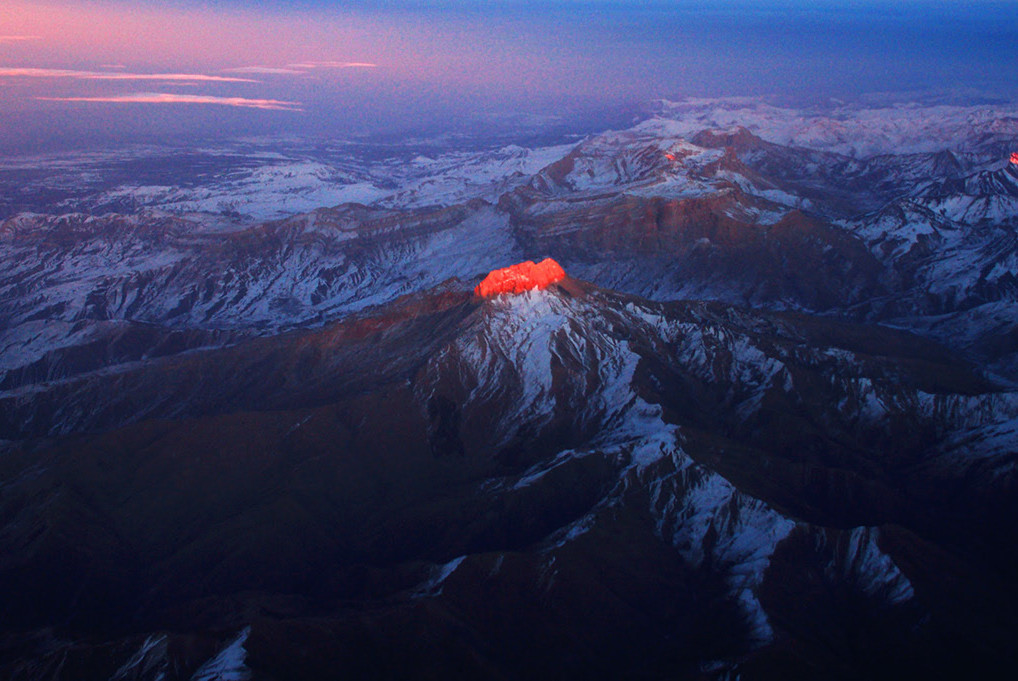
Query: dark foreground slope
x=568 y=483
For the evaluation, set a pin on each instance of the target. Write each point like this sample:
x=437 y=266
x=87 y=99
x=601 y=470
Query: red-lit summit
x=521 y=277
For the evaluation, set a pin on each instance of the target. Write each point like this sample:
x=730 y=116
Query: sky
x=90 y=72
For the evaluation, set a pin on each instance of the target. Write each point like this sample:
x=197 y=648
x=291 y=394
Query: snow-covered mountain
x=557 y=447
x=857 y=130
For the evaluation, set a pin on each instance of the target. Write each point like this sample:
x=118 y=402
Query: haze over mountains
x=258 y=424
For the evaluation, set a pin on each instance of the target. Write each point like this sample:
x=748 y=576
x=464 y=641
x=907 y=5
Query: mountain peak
x=520 y=277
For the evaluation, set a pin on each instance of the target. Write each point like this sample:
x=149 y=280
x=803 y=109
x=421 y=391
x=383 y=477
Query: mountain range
x=765 y=425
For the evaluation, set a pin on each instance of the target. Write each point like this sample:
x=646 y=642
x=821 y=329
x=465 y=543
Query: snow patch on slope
x=229 y=665
x=433 y=585
x=148 y=662
x=711 y=522
x=862 y=562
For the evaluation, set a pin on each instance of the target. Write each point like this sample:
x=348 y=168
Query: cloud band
x=103 y=75
x=166 y=98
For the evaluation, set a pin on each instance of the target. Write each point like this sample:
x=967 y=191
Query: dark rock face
x=661 y=247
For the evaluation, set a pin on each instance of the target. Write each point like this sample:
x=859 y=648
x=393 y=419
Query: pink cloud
x=103 y=75
x=166 y=98
x=301 y=68
x=333 y=65
x=267 y=70
x=18 y=38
